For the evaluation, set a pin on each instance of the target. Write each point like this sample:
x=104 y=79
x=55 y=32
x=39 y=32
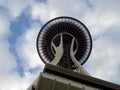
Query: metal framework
x=66 y=42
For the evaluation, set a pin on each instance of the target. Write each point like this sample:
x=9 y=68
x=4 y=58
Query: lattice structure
x=64 y=41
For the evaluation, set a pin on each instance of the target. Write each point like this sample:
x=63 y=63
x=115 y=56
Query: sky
x=21 y=20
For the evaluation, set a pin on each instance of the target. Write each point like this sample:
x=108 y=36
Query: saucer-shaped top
x=69 y=28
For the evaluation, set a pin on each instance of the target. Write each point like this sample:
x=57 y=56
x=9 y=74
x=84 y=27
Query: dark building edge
x=80 y=78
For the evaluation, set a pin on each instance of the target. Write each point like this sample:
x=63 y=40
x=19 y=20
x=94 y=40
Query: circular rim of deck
x=68 y=20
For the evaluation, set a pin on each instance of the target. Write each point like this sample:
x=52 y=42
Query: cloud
x=104 y=61
x=13 y=81
x=7 y=59
x=9 y=75
x=107 y=6
x=103 y=23
x=26 y=48
x=15 y=7
x=98 y=23
x=39 y=11
x=55 y=8
x=4 y=25
x=101 y=17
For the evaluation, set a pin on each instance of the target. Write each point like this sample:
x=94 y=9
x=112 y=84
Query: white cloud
x=104 y=61
x=4 y=26
x=12 y=81
x=15 y=7
x=101 y=18
x=104 y=25
x=99 y=22
x=91 y=12
x=107 y=6
x=55 y=8
x=9 y=76
x=26 y=48
x=8 y=63
x=39 y=11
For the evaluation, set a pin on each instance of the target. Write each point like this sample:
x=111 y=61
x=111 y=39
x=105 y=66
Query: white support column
x=58 y=50
x=79 y=68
